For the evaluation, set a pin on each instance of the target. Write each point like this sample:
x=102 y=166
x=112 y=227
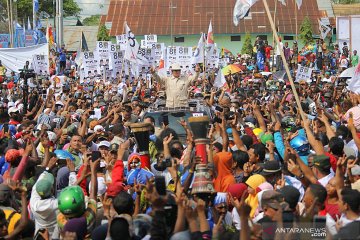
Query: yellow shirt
x=2 y=70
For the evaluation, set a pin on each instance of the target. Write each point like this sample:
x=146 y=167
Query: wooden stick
x=296 y=23
x=284 y=60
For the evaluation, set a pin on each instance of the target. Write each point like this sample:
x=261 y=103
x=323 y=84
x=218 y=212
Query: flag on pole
x=28 y=24
x=198 y=53
x=220 y=80
x=36 y=6
x=84 y=45
x=299 y=3
x=132 y=46
x=49 y=35
x=324 y=29
x=210 y=36
x=283 y=2
x=354 y=84
x=241 y=9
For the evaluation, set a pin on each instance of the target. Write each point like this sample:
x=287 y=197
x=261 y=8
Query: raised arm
x=315 y=144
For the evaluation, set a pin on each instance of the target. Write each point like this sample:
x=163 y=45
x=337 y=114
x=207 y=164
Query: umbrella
x=348 y=73
x=230 y=69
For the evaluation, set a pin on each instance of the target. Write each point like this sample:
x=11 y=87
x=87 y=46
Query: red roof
x=193 y=16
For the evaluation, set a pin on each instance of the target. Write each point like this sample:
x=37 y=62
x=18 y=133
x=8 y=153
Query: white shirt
x=278 y=50
x=43 y=210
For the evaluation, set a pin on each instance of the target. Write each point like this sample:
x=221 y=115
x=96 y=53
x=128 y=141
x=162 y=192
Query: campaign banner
x=116 y=63
x=4 y=40
x=150 y=41
x=102 y=49
x=29 y=38
x=303 y=73
x=91 y=64
x=40 y=64
x=114 y=48
x=180 y=55
x=212 y=57
x=121 y=40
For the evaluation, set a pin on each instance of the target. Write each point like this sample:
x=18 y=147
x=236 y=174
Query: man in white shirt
x=279 y=63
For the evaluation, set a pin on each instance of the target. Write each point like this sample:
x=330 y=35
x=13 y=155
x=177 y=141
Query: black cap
x=270 y=167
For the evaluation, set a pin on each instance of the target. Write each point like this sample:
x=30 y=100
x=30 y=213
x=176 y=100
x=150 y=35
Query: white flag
x=219 y=80
x=324 y=29
x=299 y=3
x=210 y=36
x=132 y=46
x=354 y=84
x=241 y=9
x=283 y=2
x=198 y=53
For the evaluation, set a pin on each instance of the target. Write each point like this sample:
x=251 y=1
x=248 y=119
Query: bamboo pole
x=296 y=21
x=273 y=43
x=284 y=60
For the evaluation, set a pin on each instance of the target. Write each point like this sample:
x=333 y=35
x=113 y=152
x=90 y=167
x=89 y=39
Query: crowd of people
x=72 y=167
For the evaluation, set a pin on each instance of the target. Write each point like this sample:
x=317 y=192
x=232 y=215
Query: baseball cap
x=45 y=184
x=114 y=147
x=291 y=195
x=104 y=144
x=272 y=199
x=322 y=162
x=99 y=128
x=270 y=167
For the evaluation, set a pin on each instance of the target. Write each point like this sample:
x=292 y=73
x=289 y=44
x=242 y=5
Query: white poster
x=121 y=40
x=91 y=64
x=150 y=40
x=114 y=48
x=116 y=63
x=102 y=49
x=40 y=64
x=303 y=73
x=212 y=57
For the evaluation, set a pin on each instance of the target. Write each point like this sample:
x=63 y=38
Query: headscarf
x=254 y=181
x=236 y=190
x=62 y=178
x=223 y=163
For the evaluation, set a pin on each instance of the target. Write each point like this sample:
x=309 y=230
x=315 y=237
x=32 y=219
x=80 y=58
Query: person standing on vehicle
x=176 y=86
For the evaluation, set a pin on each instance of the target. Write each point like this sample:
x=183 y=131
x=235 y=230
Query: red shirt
x=10 y=85
x=267 y=51
x=333 y=160
x=332 y=209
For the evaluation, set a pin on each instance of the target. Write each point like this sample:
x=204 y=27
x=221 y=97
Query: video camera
x=27 y=73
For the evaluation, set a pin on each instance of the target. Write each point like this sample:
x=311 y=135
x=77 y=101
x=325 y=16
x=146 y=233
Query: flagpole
x=284 y=60
x=204 y=67
x=273 y=43
x=10 y=24
x=34 y=14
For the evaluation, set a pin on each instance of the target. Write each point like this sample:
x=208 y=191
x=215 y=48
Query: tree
x=247 y=48
x=103 y=34
x=306 y=32
x=24 y=8
x=93 y=20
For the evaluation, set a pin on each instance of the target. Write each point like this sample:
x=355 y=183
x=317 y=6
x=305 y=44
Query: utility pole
x=171 y=23
x=59 y=21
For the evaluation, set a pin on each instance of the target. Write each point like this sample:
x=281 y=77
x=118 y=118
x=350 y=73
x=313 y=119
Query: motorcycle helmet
x=71 y=202
x=62 y=154
x=301 y=145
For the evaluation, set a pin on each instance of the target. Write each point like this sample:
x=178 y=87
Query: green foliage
x=24 y=8
x=306 y=33
x=103 y=34
x=247 y=48
x=93 y=20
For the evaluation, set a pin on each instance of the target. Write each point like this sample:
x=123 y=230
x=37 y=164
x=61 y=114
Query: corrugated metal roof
x=193 y=16
x=72 y=36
